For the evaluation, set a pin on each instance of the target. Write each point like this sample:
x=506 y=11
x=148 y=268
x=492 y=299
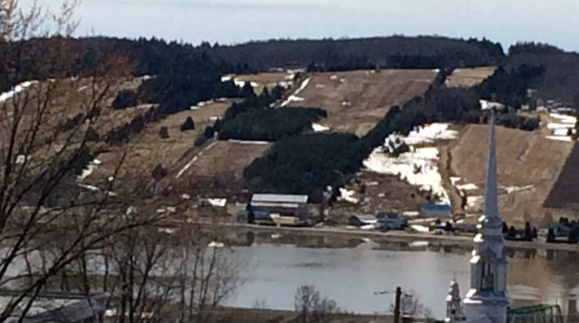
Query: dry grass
x=357 y=100
x=226 y=158
x=217 y=169
x=263 y=79
x=467 y=77
x=150 y=150
x=524 y=158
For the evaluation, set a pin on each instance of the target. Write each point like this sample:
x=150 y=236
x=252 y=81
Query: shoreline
x=389 y=236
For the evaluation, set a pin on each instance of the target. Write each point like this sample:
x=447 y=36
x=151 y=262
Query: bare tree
x=313 y=307
x=48 y=222
x=58 y=233
x=411 y=305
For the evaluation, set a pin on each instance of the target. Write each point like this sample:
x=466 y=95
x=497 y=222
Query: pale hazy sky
x=234 y=21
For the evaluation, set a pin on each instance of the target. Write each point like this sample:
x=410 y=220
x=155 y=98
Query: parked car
x=390 y=221
x=365 y=221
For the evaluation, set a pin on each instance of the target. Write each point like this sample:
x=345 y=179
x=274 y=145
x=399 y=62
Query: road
x=400 y=236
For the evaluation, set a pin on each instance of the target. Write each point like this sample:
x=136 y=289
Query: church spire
x=488 y=298
x=490 y=208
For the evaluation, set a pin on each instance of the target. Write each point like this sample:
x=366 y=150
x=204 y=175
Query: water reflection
x=351 y=270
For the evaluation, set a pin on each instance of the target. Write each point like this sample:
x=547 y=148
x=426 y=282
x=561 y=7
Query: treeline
x=347 y=54
x=270 y=124
x=548 y=69
x=509 y=85
x=306 y=164
x=251 y=101
x=257 y=118
x=154 y=56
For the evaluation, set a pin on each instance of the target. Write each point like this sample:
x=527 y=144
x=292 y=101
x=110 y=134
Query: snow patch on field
x=319 y=128
x=201 y=104
x=295 y=97
x=488 y=105
x=467 y=187
x=454 y=180
x=430 y=133
x=562 y=126
x=15 y=90
x=514 y=189
x=348 y=196
x=560 y=138
x=217 y=202
x=90 y=168
x=249 y=142
x=473 y=202
x=418 y=167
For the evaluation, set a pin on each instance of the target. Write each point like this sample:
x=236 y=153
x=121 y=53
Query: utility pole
x=397 y=305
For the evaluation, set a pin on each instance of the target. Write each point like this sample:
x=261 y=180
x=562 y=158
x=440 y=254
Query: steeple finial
x=490 y=208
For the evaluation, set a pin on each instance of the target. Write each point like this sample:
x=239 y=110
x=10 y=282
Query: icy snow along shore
x=249 y=142
x=15 y=90
x=418 y=167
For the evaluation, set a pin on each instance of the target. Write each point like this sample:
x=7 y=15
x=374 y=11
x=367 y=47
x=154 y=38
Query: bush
x=188 y=124
x=209 y=132
x=164 y=132
x=551 y=236
x=200 y=140
x=92 y=135
x=125 y=99
x=158 y=173
x=269 y=124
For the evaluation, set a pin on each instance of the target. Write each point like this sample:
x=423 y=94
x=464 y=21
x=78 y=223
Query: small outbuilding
x=434 y=210
x=280 y=208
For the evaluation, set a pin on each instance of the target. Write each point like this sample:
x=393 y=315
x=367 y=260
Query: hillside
x=528 y=167
x=466 y=77
x=565 y=193
x=357 y=100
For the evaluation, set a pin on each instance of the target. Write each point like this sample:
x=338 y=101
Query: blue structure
x=430 y=210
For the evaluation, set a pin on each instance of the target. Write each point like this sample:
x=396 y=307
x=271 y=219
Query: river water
x=351 y=275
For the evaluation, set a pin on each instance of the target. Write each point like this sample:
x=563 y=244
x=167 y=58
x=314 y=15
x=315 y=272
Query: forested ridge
x=183 y=75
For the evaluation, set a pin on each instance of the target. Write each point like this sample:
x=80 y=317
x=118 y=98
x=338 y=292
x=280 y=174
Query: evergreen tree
x=551 y=236
x=188 y=124
x=528 y=232
x=505 y=228
x=164 y=132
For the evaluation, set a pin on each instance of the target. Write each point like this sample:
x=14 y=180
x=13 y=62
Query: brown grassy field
x=357 y=100
x=216 y=169
x=565 y=194
x=150 y=150
x=524 y=159
x=225 y=158
x=467 y=77
x=263 y=78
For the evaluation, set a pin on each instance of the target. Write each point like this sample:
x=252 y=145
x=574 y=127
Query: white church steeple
x=488 y=299
x=454 y=312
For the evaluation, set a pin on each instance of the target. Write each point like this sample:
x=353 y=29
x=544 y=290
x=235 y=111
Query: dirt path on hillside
x=445 y=170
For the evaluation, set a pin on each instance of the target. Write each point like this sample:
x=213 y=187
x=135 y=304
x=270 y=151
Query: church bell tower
x=487 y=299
